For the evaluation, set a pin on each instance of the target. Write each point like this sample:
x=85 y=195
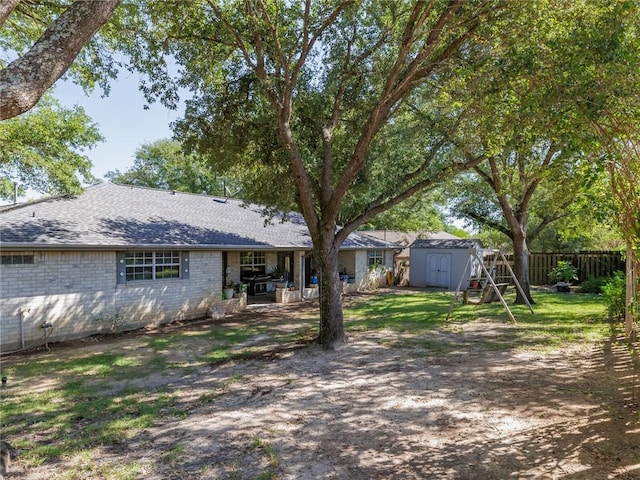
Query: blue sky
x=122 y=120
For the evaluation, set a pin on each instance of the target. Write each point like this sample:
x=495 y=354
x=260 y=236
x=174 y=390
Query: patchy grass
x=74 y=418
x=271 y=458
x=69 y=408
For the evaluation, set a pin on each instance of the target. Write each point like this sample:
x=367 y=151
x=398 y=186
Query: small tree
x=163 y=164
x=44 y=150
x=542 y=93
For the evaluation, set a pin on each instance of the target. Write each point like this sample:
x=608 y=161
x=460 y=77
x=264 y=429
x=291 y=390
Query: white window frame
x=154 y=263
x=257 y=259
x=375 y=257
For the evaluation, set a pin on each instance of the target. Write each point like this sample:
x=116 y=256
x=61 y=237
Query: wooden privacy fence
x=590 y=264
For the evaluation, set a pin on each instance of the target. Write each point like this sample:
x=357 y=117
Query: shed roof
x=118 y=216
x=461 y=243
x=405 y=239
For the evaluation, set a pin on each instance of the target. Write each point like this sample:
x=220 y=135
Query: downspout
x=21 y=314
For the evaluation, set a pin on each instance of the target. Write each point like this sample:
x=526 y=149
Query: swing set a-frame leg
x=474 y=254
x=454 y=299
x=498 y=294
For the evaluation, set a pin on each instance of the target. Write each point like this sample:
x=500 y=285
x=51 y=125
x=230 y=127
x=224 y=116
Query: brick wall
x=77 y=293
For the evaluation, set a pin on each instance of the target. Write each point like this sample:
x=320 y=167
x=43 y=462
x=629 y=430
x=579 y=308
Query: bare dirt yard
x=376 y=409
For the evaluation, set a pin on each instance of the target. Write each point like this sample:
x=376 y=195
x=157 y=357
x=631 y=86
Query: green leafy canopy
x=43 y=150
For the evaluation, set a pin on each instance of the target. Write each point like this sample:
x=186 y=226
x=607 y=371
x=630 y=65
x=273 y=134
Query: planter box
x=310 y=292
x=284 y=295
x=221 y=308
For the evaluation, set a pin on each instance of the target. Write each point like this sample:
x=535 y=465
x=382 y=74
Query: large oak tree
x=318 y=102
x=533 y=120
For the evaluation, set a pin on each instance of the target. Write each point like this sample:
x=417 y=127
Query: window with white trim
x=375 y=257
x=252 y=264
x=152 y=265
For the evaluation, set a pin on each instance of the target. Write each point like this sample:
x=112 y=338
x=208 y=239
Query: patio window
x=252 y=264
x=152 y=265
x=375 y=257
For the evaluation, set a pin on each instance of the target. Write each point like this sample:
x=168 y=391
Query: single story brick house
x=120 y=257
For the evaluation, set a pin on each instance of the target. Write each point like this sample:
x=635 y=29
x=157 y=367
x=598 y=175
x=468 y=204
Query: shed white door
x=438 y=269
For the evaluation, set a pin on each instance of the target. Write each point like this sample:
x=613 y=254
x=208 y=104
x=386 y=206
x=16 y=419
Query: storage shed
x=439 y=262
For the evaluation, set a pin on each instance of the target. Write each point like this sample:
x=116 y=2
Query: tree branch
x=485 y=176
x=239 y=44
x=496 y=183
x=6 y=7
x=275 y=37
x=25 y=80
x=382 y=205
x=314 y=38
x=548 y=219
x=300 y=176
x=531 y=188
x=489 y=223
x=400 y=81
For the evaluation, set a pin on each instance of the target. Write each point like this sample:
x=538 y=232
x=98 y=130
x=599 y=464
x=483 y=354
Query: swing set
x=482 y=281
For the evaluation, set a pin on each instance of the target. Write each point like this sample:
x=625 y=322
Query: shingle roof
x=109 y=215
x=406 y=238
x=445 y=243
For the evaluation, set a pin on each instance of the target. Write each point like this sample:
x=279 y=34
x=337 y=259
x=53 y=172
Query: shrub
x=594 y=284
x=614 y=295
x=563 y=272
x=239 y=287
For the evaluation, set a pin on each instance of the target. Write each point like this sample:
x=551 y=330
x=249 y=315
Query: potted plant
x=562 y=275
x=228 y=291
x=239 y=288
x=276 y=273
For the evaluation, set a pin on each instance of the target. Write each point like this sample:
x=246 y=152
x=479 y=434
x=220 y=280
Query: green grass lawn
x=558 y=318
x=76 y=411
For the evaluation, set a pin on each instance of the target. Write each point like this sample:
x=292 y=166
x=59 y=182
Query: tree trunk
x=331 y=317
x=521 y=267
